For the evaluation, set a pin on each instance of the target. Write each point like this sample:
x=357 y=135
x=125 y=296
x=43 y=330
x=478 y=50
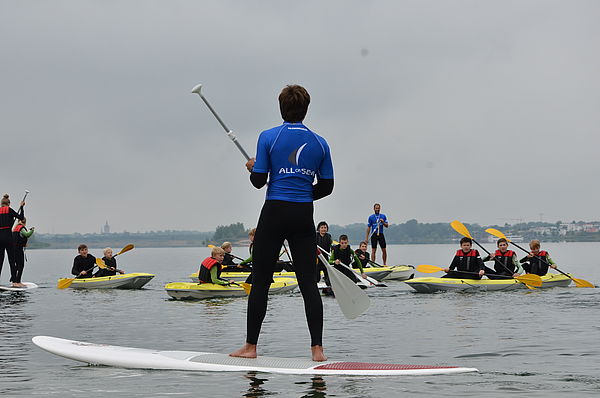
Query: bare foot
x=247 y=351
x=317 y=353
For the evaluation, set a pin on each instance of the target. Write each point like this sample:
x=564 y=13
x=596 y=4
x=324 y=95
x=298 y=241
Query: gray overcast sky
x=482 y=111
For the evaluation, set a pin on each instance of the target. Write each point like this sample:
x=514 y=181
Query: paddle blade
x=530 y=280
x=352 y=300
x=428 y=269
x=65 y=283
x=496 y=233
x=100 y=263
x=125 y=249
x=246 y=286
x=460 y=228
x=212 y=246
x=582 y=283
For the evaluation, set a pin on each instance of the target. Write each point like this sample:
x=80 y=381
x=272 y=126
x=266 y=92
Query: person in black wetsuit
x=342 y=256
x=111 y=265
x=20 y=237
x=324 y=241
x=467 y=262
x=84 y=263
x=505 y=262
x=291 y=157
x=537 y=261
x=7 y=219
x=363 y=255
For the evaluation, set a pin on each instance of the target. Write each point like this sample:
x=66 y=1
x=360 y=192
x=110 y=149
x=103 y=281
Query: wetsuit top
x=21 y=235
x=364 y=262
x=293 y=156
x=7 y=217
x=324 y=241
x=508 y=259
x=228 y=260
x=210 y=272
x=537 y=264
x=110 y=270
x=248 y=261
x=346 y=256
x=469 y=262
x=81 y=263
x=373 y=220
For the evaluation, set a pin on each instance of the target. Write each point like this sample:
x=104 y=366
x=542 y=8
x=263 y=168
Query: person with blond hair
x=7 y=219
x=210 y=268
x=111 y=265
x=537 y=261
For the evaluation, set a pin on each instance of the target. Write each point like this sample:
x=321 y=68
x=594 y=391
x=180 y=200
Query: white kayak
x=28 y=286
x=120 y=281
x=140 y=358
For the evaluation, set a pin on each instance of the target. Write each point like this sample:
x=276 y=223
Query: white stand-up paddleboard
x=139 y=358
x=28 y=286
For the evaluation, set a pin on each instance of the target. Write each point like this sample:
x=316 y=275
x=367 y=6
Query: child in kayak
x=84 y=263
x=505 y=261
x=342 y=256
x=537 y=261
x=229 y=265
x=323 y=241
x=467 y=262
x=111 y=265
x=210 y=269
x=363 y=255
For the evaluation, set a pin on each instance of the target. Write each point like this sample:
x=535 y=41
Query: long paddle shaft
x=232 y=137
x=372 y=281
x=578 y=282
x=66 y=283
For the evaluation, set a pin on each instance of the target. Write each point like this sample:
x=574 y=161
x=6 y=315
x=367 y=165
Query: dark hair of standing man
x=293 y=103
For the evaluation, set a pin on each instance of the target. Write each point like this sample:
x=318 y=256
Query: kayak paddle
x=461 y=229
x=527 y=279
x=578 y=282
x=65 y=283
x=125 y=249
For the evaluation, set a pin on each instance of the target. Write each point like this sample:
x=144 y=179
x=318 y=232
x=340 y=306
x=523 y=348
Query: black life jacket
x=506 y=259
x=364 y=262
x=345 y=256
x=537 y=264
x=467 y=261
x=324 y=241
x=204 y=273
x=20 y=240
x=228 y=259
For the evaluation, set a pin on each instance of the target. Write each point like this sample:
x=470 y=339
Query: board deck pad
x=139 y=358
x=28 y=286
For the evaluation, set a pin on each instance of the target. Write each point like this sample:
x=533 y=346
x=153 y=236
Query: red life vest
x=508 y=253
x=18 y=228
x=470 y=253
x=209 y=262
x=6 y=210
x=204 y=273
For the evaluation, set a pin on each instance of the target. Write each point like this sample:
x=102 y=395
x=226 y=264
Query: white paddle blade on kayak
x=352 y=300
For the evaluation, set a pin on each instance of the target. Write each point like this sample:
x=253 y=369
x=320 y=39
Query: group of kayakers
x=468 y=264
x=84 y=264
x=13 y=240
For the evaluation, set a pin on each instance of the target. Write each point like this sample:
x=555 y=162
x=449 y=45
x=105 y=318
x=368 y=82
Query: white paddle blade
x=351 y=298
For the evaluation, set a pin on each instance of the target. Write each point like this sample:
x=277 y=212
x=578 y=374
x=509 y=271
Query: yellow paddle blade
x=125 y=249
x=335 y=242
x=530 y=280
x=496 y=233
x=460 y=228
x=65 y=283
x=582 y=283
x=100 y=263
x=529 y=287
x=428 y=269
x=212 y=246
x=247 y=287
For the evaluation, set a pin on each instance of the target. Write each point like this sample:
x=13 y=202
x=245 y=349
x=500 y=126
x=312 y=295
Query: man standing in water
x=290 y=156
x=375 y=225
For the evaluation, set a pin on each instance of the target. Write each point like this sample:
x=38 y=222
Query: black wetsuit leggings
x=280 y=220
x=6 y=244
x=16 y=270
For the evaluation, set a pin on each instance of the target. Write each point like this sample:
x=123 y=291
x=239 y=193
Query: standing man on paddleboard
x=375 y=225
x=290 y=156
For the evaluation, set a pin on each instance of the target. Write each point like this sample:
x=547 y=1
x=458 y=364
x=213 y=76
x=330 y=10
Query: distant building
x=106 y=228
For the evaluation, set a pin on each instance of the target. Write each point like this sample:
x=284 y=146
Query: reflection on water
x=316 y=390
x=14 y=323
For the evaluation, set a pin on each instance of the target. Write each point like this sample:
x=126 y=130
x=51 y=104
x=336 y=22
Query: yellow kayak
x=187 y=290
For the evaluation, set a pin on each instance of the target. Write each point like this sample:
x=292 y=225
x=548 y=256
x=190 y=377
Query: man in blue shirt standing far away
x=290 y=156
x=375 y=225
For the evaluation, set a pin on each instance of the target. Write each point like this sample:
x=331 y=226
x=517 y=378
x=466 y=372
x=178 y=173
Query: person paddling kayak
x=505 y=262
x=7 y=219
x=291 y=156
x=537 y=261
x=210 y=268
x=20 y=237
x=466 y=261
x=111 y=265
x=83 y=263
